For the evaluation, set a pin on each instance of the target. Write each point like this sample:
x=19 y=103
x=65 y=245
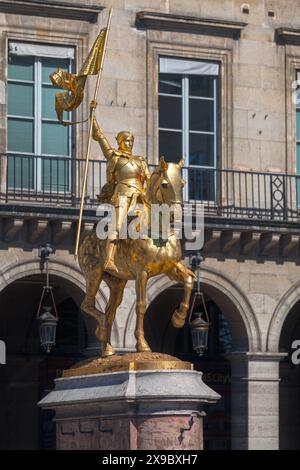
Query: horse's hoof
x=142 y=346
x=108 y=351
x=178 y=319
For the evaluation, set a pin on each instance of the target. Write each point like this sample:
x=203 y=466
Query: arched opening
x=227 y=334
x=29 y=372
x=289 y=387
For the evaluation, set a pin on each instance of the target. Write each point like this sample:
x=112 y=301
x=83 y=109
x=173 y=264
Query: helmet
x=123 y=135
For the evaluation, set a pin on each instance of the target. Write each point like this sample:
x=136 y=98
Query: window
x=298 y=136
x=39 y=148
x=188 y=121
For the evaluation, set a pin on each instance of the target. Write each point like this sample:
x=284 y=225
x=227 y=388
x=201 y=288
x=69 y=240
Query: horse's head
x=169 y=184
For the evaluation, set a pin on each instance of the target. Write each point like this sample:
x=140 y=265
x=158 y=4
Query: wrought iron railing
x=228 y=193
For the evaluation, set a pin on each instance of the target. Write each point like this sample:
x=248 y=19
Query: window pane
x=20 y=99
x=48 y=103
x=201 y=115
x=201 y=85
x=170 y=83
x=20 y=68
x=201 y=150
x=298 y=159
x=20 y=172
x=298 y=124
x=170 y=114
x=170 y=145
x=298 y=98
x=201 y=184
x=20 y=136
x=298 y=172
x=55 y=174
x=50 y=65
x=54 y=139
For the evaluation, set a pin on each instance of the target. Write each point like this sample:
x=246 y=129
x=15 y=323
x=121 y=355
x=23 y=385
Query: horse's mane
x=153 y=185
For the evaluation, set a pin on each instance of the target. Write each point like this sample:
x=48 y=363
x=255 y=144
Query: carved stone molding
x=61 y=230
x=52 y=9
x=11 y=228
x=189 y=24
x=259 y=244
x=287 y=36
x=31 y=231
x=223 y=237
x=36 y=228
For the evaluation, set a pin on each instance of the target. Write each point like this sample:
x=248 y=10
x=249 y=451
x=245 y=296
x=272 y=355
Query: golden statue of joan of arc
x=127 y=177
x=129 y=184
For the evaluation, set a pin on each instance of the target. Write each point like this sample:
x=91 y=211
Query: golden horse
x=137 y=259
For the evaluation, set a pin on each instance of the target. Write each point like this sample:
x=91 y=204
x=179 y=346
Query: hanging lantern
x=198 y=318
x=199 y=324
x=47 y=314
x=47 y=328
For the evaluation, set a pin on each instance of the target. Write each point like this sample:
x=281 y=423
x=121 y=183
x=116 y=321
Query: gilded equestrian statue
x=116 y=260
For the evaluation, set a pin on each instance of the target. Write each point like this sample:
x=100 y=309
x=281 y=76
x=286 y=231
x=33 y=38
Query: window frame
x=292 y=66
x=38 y=120
x=297 y=110
x=297 y=138
x=291 y=164
x=185 y=130
x=195 y=50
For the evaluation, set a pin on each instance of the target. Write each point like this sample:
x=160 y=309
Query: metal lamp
x=47 y=314
x=198 y=317
x=199 y=324
x=48 y=324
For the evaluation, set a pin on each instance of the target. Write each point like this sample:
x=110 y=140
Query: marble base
x=147 y=410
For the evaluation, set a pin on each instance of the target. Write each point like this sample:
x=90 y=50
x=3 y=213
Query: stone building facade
x=250 y=273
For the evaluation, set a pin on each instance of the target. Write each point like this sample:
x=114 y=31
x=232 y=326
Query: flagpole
x=92 y=114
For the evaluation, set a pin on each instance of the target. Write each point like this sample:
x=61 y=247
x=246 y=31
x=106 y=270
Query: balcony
x=247 y=214
x=56 y=181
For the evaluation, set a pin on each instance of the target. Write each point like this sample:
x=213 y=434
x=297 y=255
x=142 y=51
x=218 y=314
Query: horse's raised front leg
x=141 y=305
x=116 y=287
x=184 y=275
x=93 y=279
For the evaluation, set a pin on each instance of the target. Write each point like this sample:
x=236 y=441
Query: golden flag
x=75 y=83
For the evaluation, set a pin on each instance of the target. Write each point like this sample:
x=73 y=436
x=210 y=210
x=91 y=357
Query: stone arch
x=60 y=269
x=280 y=314
x=227 y=296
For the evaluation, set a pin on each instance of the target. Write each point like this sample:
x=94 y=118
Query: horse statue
x=137 y=259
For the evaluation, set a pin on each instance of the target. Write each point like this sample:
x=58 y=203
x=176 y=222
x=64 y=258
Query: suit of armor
x=126 y=178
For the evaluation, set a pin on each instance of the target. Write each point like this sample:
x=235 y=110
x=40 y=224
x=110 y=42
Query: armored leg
x=111 y=245
x=109 y=264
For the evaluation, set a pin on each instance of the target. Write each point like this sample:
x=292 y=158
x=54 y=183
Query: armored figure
x=129 y=184
x=127 y=175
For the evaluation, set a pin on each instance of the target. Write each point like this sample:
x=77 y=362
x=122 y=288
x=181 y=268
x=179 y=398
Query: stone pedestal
x=130 y=410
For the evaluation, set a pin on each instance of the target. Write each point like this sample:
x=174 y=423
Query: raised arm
x=98 y=135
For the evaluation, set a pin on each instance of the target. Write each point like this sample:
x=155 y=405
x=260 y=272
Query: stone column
x=129 y=410
x=263 y=398
x=255 y=400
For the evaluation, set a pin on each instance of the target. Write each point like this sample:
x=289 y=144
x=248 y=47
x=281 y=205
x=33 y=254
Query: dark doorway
x=216 y=369
x=29 y=373
x=289 y=386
